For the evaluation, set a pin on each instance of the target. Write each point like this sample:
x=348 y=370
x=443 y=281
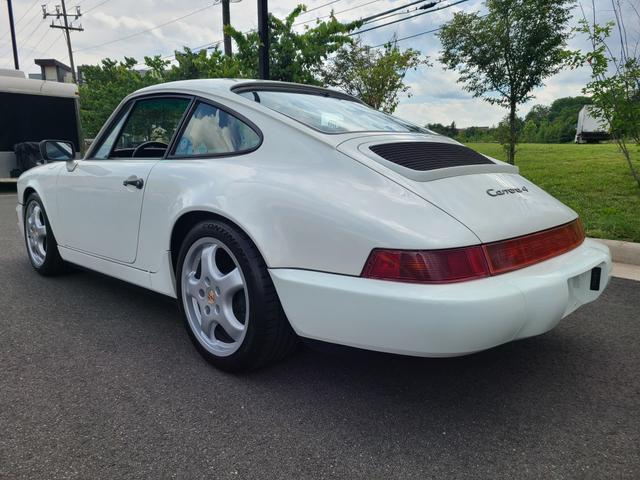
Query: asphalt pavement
x=99 y=380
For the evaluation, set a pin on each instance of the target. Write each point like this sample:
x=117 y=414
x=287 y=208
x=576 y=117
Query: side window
x=107 y=145
x=211 y=130
x=146 y=131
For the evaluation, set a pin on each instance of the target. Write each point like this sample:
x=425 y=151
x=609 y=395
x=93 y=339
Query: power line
x=335 y=13
x=110 y=42
x=37 y=44
x=21 y=17
x=408 y=37
x=406 y=12
x=27 y=11
x=407 y=18
x=395 y=9
x=320 y=6
x=52 y=44
x=95 y=6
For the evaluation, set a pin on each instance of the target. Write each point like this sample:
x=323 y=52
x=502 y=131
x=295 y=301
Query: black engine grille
x=424 y=156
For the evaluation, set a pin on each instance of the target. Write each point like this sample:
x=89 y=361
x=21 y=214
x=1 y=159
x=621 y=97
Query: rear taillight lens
x=434 y=266
x=521 y=252
x=469 y=263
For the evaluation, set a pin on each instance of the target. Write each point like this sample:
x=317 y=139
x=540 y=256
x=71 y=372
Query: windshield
x=330 y=114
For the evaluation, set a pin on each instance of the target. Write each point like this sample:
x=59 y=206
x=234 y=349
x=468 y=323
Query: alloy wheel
x=36 y=231
x=215 y=297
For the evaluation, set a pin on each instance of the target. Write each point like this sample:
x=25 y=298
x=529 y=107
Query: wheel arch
x=28 y=191
x=187 y=220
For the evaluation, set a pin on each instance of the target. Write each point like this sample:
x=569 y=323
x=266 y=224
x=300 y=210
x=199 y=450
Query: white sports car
x=274 y=211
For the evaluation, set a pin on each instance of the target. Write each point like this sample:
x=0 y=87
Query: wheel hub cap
x=36 y=231
x=214 y=296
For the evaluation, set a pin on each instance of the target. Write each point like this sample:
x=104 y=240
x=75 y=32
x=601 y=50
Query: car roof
x=229 y=87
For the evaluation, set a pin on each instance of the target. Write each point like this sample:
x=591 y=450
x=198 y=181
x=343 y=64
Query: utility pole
x=263 y=32
x=13 y=36
x=67 y=27
x=226 y=20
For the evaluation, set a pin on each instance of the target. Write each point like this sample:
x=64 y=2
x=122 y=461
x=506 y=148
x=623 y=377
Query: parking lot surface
x=99 y=380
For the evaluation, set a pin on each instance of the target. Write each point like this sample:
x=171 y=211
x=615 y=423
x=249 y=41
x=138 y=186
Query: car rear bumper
x=441 y=320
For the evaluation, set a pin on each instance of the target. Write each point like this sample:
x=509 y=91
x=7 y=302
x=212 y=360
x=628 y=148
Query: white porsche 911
x=274 y=210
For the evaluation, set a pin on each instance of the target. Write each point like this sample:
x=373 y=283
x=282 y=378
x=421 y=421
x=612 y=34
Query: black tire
x=53 y=263
x=269 y=336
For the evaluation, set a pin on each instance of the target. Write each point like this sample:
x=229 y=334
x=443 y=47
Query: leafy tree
x=375 y=76
x=201 y=64
x=105 y=85
x=529 y=132
x=293 y=56
x=503 y=55
x=615 y=82
x=446 y=130
x=537 y=114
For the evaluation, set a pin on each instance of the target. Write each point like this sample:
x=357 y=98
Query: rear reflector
x=507 y=255
x=469 y=263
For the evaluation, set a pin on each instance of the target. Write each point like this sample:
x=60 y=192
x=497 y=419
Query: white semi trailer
x=31 y=111
x=592 y=128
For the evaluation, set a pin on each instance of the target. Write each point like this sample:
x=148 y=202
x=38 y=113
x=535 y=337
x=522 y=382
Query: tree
x=375 y=76
x=190 y=64
x=503 y=55
x=446 y=130
x=537 y=114
x=106 y=84
x=615 y=82
x=293 y=56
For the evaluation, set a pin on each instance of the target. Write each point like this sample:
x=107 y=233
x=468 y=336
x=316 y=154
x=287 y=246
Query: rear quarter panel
x=303 y=204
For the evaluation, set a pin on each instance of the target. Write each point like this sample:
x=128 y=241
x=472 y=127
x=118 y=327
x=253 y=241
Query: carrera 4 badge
x=494 y=193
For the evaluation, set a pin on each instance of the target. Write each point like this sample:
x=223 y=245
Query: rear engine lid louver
x=424 y=156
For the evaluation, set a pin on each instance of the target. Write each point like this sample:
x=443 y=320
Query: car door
x=100 y=198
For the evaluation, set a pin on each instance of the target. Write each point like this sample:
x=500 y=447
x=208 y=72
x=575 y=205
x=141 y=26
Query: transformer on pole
x=67 y=27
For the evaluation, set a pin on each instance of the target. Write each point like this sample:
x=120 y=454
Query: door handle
x=135 y=181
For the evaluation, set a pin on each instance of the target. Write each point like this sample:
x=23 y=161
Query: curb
x=623 y=252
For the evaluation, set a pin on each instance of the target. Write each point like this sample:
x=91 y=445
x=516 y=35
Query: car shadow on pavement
x=321 y=374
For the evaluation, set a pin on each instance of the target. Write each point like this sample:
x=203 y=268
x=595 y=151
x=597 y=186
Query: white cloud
x=465 y=112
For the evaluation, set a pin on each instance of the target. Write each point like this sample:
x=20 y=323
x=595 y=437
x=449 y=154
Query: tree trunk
x=512 y=134
x=622 y=145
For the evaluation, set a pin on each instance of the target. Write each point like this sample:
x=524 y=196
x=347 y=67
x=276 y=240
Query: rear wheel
x=229 y=303
x=41 y=243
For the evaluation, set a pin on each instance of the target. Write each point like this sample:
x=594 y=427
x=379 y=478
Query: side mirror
x=57 y=150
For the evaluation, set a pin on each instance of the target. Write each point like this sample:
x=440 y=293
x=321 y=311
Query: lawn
x=594 y=180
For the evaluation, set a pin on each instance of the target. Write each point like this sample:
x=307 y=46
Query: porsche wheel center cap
x=211 y=297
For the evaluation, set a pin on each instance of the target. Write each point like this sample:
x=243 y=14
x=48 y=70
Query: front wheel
x=230 y=306
x=41 y=243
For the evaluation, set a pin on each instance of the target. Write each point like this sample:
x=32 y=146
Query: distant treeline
x=543 y=124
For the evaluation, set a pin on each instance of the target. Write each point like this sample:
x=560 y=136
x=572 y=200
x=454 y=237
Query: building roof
x=51 y=62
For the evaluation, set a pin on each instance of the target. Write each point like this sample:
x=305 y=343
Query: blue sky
x=436 y=95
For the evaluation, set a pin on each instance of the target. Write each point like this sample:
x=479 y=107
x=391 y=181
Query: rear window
x=330 y=114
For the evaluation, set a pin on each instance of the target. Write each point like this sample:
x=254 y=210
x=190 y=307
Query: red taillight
x=434 y=266
x=521 y=252
x=469 y=263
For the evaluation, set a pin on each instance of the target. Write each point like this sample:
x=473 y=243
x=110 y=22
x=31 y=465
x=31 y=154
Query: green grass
x=594 y=180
